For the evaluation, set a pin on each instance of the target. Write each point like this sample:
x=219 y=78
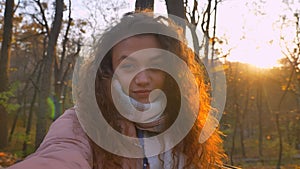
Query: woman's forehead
x=143 y=39
x=134 y=44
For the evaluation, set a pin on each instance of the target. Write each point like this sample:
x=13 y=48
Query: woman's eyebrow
x=153 y=58
x=123 y=57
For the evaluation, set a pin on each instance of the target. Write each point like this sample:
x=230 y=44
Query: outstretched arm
x=65 y=146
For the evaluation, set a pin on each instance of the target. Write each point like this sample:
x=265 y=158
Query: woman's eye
x=127 y=67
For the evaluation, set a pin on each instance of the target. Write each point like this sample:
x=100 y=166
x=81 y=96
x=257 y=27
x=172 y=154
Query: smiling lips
x=142 y=93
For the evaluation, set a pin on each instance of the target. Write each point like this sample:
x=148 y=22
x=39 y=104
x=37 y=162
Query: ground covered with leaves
x=7 y=159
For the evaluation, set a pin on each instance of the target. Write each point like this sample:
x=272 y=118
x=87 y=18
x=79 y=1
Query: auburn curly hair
x=197 y=155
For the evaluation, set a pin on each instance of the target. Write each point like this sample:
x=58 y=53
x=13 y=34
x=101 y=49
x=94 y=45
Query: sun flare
x=258 y=55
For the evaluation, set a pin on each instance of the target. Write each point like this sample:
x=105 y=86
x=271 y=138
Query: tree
x=205 y=28
x=144 y=4
x=63 y=65
x=47 y=72
x=193 y=16
x=4 y=67
x=259 y=105
x=177 y=9
x=291 y=51
x=29 y=50
x=101 y=14
x=236 y=109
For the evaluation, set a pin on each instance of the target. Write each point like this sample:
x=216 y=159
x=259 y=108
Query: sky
x=253 y=35
x=251 y=28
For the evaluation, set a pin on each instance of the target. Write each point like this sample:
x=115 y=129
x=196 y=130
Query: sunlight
x=262 y=56
x=252 y=36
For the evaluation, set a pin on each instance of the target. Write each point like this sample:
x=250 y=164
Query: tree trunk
x=260 y=111
x=47 y=72
x=177 y=9
x=194 y=20
x=242 y=120
x=30 y=116
x=214 y=32
x=236 y=106
x=14 y=124
x=205 y=28
x=60 y=68
x=144 y=4
x=278 y=165
x=4 y=67
x=236 y=113
x=277 y=119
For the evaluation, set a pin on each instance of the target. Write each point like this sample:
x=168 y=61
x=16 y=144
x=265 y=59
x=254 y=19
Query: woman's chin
x=142 y=100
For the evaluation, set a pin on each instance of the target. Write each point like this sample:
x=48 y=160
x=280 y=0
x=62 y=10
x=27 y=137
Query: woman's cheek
x=125 y=84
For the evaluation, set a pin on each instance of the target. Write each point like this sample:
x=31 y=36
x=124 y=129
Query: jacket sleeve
x=65 y=146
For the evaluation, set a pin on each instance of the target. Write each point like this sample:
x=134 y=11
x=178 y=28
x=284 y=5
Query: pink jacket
x=65 y=146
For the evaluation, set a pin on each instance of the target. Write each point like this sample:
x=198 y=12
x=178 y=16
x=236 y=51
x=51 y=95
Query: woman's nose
x=142 y=78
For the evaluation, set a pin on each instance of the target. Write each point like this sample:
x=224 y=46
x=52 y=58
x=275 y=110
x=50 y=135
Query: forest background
x=42 y=40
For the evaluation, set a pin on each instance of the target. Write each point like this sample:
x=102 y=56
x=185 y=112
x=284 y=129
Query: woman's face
x=127 y=65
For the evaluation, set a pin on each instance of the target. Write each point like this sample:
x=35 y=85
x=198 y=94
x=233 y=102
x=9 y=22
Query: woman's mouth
x=142 y=93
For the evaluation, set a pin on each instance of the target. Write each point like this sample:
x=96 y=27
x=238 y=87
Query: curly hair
x=198 y=155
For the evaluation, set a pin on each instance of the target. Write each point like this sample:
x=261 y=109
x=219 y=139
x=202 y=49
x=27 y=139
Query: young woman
x=141 y=91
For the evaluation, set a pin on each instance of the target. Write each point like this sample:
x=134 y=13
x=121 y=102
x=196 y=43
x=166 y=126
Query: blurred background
x=258 y=42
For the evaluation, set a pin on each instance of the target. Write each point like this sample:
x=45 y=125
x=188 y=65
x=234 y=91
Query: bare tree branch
x=43 y=15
